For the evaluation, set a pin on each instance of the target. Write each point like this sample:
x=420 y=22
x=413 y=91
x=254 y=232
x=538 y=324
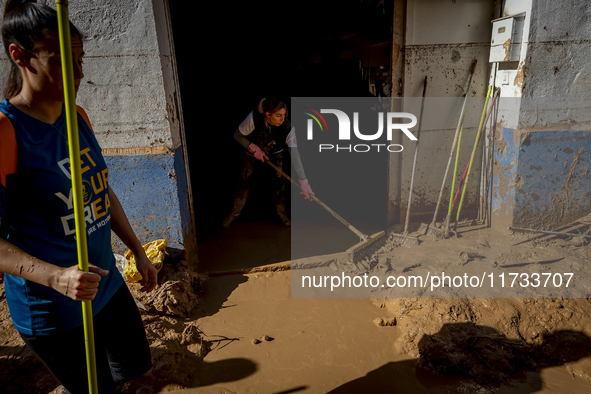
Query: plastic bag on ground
x=155 y=252
x=121 y=262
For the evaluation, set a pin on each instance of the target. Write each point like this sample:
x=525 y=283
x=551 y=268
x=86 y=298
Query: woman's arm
x=292 y=144
x=122 y=228
x=239 y=136
x=71 y=282
x=241 y=139
x=297 y=162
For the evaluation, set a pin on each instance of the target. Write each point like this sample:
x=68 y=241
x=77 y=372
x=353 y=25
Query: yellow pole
x=74 y=148
x=480 y=126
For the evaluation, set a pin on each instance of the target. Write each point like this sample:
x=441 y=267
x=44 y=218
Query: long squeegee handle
x=323 y=205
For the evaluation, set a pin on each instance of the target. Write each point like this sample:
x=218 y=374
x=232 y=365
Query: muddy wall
x=541 y=177
x=442 y=39
x=542 y=142
x=130 y=95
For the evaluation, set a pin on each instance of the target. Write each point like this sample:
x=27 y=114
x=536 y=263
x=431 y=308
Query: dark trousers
x=251 y=164
x=121 y=347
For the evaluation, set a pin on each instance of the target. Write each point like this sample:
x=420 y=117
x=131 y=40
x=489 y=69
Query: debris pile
x=177 y=293
x=476 y=351
x=490 y=339
x=177 y=350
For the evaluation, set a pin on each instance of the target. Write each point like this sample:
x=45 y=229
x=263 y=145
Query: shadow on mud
x=22 y=372
x=473 y=357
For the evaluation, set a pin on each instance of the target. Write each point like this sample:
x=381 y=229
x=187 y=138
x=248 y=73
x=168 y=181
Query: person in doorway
x=265 y=133
x=38 y=251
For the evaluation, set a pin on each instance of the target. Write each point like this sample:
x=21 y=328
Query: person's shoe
x=284 y=220
x=227 y=222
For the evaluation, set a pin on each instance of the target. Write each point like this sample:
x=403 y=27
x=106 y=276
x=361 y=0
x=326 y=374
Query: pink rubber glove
x=306 y=190
x=257 y=152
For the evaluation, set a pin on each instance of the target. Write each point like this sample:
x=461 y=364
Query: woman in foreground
x=37 y=245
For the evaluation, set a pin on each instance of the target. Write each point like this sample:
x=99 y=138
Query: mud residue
x=502 y=189
x=561 y=205
x=492 y=338
x=501 y=148
x=505 y=178
x=566 y=203
x=456 y=336
x=177 y=350
x=524 y=127
x=507 y=48
x=395 y=52
x=177 y=345
x=477 y=351
x=519 y=182
x=489 y=356
x=499 y=142
x=518 y=81
x=177 y=293
x=521 y=137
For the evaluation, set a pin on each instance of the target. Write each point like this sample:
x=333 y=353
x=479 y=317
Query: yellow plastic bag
x=154 y=251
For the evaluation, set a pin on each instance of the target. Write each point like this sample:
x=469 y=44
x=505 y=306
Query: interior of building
x=287 y=49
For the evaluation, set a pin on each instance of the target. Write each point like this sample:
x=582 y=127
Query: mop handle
x=453 y=145
x=323 y=205
x=414 y=163
x=76 y=173
x=477 y=141
x=462 y=113
x=452 y=200
x=480 y=129
x=453 y=182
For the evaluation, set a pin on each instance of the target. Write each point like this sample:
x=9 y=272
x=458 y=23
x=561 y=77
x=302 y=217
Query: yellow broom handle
x=480 y=126
x=74 y=148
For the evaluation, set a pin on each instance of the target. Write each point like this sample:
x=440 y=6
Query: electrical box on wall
x=507 y=33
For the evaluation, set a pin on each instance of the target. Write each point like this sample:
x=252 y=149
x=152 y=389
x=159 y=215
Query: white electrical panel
x=507 y=33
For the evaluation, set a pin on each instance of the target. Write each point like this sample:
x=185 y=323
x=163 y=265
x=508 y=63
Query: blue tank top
x=37 y=203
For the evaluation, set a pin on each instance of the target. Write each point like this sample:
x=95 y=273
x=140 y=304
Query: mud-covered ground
x=479 y=263
x=208 y=334
x=175 y=340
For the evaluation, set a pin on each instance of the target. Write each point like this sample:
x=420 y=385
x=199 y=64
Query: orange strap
x=8 y=148
x=83 y=113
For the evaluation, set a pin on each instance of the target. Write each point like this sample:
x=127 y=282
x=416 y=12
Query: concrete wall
x=542 y=145
x=442 y=39
x=131 y=96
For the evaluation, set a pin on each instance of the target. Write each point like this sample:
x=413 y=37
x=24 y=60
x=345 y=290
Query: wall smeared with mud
x=130 y=94
x=552 y=184
x=442 y=41
x=544 y=128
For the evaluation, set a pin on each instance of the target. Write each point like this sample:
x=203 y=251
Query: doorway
x=228 y=58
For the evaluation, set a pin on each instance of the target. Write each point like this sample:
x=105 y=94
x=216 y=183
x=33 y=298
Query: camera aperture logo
x=344 y=133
